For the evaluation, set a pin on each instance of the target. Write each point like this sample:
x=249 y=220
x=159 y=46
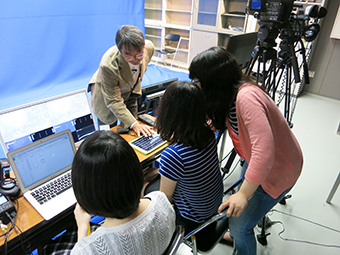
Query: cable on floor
x=303 y=241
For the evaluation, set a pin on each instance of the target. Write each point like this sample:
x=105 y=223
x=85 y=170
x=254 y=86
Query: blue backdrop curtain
x=53 y=46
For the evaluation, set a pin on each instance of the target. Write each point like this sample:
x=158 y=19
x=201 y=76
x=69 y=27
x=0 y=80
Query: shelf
x=153 y=23
x=181 y=63
x=180 y=49
x=233 y=15
x=182 y=27
x=153 y=9
x=182 y=11
x=177 y=63
x=153 y=36
x=207 y=13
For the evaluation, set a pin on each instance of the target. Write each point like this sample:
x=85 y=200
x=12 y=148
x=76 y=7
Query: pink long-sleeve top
x=267 y=143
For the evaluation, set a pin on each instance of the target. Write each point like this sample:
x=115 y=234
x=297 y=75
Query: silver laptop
x=43 y=171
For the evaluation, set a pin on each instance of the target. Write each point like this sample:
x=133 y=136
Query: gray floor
x=311 y=225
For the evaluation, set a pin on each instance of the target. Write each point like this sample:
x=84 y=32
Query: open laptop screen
x=43 y=159
x=22 y=125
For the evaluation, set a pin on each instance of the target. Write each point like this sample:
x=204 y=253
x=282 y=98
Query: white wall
x=326 y=58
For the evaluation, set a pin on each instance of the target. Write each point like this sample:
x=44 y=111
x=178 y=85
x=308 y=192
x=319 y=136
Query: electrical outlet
x=311 y=74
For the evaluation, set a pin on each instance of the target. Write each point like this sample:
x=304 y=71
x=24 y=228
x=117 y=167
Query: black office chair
x=175 y=242
x=170 y=47
x=205 y=237
x=203 y=240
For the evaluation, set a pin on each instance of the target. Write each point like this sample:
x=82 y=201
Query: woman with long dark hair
x=189 y=167
x=260 y=134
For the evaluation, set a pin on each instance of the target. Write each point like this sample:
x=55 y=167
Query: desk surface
x=33 y=226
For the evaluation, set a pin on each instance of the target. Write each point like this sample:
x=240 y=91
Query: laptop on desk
x=43 y=171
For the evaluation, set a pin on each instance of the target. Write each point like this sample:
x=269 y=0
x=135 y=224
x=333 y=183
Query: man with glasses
x=116 y=84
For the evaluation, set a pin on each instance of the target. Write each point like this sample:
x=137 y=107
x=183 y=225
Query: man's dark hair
x=107 y=176
x=182 y=116
x=130 y=37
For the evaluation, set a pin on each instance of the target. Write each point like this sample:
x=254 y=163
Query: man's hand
x=141 y=129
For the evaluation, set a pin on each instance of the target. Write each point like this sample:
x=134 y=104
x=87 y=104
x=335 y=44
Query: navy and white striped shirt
x=233 y=118
x=199 y=189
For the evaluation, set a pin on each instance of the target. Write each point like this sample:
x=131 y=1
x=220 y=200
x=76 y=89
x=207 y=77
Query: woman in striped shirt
x=189 y=167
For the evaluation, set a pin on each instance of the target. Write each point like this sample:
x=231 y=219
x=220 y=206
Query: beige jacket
x=114 y=93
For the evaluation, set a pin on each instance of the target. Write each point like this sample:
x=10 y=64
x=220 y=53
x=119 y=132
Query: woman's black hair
x=107 y=177
x=182 y=116
x=220 y=77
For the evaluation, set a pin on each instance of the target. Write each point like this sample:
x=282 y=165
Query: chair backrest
x=176 y=240
x=209 y=233
x=172 y=39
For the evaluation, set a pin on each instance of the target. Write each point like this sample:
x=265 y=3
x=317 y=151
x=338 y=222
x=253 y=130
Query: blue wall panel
x=49 y=46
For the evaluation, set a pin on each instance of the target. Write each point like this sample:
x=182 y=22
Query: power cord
x=27 y=249
x=13 y=215
x=234 y=168
x=6 y=233
x=225 y=157
x=306 y=220
x=226 y=168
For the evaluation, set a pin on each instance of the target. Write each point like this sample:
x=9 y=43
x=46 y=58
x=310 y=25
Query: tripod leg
x=253 y=59
x=262 y=238
x=271 y=79
x=288 y=95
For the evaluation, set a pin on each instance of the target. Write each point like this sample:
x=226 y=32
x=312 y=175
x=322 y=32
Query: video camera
x=294 y=25
x=276 y=16
x=270 y=10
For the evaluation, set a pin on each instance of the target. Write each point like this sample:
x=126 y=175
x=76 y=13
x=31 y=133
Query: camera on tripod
x=270 y=10
x=276 y=15
x=282 y=69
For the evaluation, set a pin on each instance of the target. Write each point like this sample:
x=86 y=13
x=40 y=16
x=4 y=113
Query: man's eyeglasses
x=138 y=56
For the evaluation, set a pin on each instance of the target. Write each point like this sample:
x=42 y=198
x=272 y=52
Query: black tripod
x=275 y=69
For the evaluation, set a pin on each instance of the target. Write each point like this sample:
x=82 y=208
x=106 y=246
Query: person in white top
x=107 y=180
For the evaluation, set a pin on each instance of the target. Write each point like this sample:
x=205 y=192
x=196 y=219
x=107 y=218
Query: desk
x=38 y=231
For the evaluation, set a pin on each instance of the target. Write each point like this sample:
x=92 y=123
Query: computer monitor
x=151 y=94
x=241 y=46
x=27 y=123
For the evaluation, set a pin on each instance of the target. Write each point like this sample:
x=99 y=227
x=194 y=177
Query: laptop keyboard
x=148 y=143
x=53 y=189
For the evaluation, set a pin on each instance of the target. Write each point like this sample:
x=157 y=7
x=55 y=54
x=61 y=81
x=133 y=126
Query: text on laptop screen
x=25 y=124
x=43 y=160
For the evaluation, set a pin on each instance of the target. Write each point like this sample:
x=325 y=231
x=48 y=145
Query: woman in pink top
x=261 y=136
